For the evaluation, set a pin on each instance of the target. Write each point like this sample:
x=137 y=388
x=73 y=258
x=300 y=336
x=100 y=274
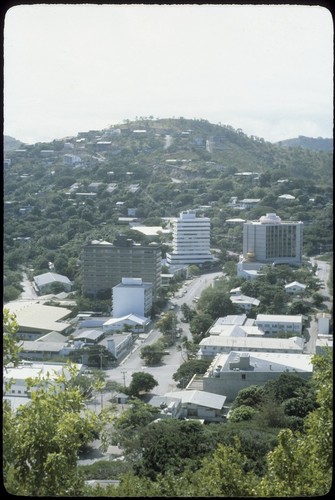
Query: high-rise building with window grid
x=104 y=265
x=191 y=240
x=271 y=240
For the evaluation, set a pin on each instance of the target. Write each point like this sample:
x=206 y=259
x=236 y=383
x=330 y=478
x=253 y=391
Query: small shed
x=121 y=398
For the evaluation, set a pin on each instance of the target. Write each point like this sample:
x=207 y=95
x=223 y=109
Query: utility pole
x=124 y=378
x=101 y=397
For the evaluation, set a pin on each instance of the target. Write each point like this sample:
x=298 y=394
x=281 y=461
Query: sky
x=265 y=69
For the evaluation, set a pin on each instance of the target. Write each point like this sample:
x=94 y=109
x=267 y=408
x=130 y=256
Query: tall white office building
x=270 y=240
x=191 y=240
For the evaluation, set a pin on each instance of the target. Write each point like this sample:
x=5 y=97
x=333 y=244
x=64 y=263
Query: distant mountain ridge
x=317 y=144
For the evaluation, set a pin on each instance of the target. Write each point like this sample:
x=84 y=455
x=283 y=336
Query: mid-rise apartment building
x=104 y=264
x=191 y=240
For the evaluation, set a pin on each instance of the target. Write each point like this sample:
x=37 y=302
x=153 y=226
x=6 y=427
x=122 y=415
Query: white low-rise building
x=236 y=331
x=323 y=323
x=191 y=404
x=134 y=322
x=243 y=301
x=274 y=323
x=295 y=287
x=214 y=344
x=15 y=378
x=323 y=342
x=119 y=344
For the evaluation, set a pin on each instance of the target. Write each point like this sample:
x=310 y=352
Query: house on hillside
x=191 y=404
x=295 y=287
x=43 y=283
x=244 y=302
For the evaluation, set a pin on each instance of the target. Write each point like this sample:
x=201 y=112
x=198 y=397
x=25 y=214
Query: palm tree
x=188 y=347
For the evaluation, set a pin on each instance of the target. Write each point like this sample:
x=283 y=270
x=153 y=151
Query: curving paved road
x=171 y=362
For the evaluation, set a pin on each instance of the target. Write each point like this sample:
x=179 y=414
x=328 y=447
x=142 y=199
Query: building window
x=243 y=376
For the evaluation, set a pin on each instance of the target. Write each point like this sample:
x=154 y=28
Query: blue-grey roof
x=48 y=278
x=89 y=334
x=199 y=398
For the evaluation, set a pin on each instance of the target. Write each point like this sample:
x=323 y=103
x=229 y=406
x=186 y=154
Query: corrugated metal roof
x=48 y=278
x=35 y=316
x=199 y=398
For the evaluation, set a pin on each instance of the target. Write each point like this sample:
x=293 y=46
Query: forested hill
x=318 y=144
x=10 y=144
x=201 y=141
x=61 y=194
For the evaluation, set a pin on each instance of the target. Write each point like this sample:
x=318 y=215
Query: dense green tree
x=10 y=344
x=223 y=475
x=168 y=325
x=152 y=354
x=11 y=292
x=189 y=368
x=286 y=386
x=252 y=396
x=127 y=424
x=271 y=414
x=241 y=413
x=301 y=464
x=141 y=382
x=104 y=469
x=42 y=440
x=194 y=270
x=188 y=347
x=170 y=445
x=199 y=325
x=216 y=303
x=318 y=299
x=187 y=311
x=300 y=406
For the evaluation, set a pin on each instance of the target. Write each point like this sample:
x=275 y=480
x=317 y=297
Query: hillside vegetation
x=153 y=168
